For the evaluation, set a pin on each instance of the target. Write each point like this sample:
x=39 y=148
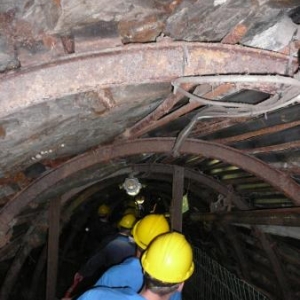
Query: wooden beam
x=280 y=216
x=176 y=205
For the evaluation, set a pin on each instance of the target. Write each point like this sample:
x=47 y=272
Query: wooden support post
x=177 y=195
x=53 y=242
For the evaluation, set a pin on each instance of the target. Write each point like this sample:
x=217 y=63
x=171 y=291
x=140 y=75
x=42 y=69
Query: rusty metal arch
x=196 y=176
x=132 y=64
x=276 y=178
x=163 y=169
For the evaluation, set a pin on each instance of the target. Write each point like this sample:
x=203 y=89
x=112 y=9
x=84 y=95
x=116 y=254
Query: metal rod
x=279 y=180
x=53 y=242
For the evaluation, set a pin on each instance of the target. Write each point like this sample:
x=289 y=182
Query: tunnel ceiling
x=93 y=91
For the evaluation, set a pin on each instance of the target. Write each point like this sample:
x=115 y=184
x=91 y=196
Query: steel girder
x=196 y=176
x=133 y=64
x=274 y=177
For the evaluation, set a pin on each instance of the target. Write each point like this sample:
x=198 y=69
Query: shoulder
x=121 y=240
x=132 y=261
x=128 y=273
x=130 y=264
x=110 y=293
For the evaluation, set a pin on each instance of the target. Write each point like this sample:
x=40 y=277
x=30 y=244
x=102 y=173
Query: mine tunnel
x=194 y=102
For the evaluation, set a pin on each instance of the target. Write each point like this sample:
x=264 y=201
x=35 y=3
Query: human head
x=167 y=263
x=103 y=210
x=149 y=228
x=127 y=221
x=129 y=210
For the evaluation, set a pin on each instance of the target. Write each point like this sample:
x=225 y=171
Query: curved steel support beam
x=196 y=176
x=150 y=168
x=276 y=178
x=132 y=64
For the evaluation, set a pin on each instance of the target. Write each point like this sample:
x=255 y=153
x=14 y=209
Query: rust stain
x=55 y=163
x=18 y=178
x=57 y=3
x=49 y=41
x=68 y=43
x=5 y=180
x=106 y=98
x=235 y=35
x=170 y=7
x=138 y=31
x=2 y=132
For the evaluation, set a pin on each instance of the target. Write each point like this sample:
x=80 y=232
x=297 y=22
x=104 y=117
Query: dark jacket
x=113 y=252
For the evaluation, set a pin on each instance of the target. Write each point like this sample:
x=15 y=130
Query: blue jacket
x=114 y=252
x=127 y=274
x=105 y=293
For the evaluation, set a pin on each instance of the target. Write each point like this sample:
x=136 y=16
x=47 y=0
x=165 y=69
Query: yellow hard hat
x=129 y=210
x=148 y=228
x=169 y=258
x=103 y=210
x=127 y=221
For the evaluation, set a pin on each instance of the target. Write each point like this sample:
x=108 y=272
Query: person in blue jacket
x=167 y=263
x=129 y=273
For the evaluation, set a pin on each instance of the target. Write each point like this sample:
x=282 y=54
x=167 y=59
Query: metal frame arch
x=154 y=168
x=196 y=176
x=132 y=64
x=276 y=178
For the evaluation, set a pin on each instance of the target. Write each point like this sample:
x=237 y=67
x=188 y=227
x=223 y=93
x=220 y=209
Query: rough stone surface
x=78 y=13
x=206 y=21
x=8 y=59
x=80 y=123
x=274 y=35
x=141 y=30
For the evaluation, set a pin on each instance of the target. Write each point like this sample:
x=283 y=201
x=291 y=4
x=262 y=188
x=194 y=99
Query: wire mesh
x=211 y=281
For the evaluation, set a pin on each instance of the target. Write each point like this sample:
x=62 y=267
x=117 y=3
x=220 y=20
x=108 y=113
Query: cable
x=218 y=108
